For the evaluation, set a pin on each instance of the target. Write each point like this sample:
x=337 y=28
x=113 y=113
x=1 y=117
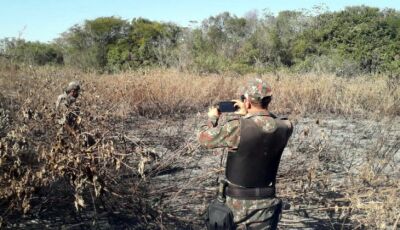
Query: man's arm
x=60 y=100
x=212 y=135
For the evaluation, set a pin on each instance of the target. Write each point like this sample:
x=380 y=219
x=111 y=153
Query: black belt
x=249 y=193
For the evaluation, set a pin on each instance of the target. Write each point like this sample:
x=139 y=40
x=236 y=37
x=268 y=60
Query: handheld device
x=227 y=106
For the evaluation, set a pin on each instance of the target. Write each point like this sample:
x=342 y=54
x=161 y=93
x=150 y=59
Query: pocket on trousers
x=219 y=216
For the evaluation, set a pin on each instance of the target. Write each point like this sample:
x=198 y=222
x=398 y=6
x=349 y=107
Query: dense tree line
x=356 y=40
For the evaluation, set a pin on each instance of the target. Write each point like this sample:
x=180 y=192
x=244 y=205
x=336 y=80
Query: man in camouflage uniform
x=255 y=141
x=69 y=116
x=67 y=112
x=69 y=96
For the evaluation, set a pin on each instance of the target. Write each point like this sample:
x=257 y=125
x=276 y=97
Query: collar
x=260 y=113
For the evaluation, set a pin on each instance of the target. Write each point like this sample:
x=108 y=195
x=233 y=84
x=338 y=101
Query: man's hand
x=241 y=107
x=213 y=112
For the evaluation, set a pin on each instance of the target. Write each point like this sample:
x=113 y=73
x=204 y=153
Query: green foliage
x=111 y=44
x=363 y=34
x=356 y=40
x=333 y=63
x=86 y=46
x=151 y=42
x=208 y=63
x=32 y=53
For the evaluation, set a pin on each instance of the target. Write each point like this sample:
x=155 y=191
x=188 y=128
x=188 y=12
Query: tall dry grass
x=108 y=99
x=165 y=92
x=170 y=92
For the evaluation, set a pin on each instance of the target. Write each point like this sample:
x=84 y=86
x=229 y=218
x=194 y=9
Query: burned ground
x=147 y=171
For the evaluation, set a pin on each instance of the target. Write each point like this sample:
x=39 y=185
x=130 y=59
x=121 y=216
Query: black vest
x=256 y=161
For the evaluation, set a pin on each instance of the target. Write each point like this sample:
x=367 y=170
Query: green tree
x=32 y=53
x=86 y=46
x=363 y=34
x=146 y=43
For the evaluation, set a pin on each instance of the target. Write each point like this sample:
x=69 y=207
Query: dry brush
x=36 y=171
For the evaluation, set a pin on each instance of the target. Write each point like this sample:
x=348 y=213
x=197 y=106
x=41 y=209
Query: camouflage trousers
x=255 y=214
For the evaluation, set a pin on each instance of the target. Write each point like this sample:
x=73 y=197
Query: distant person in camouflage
x=255 y=142
x=69 y=116
x=69 y=96
x=68 y=113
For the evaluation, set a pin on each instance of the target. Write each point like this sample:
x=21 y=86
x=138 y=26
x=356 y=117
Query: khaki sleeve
x=58 y=102
x=226 y=135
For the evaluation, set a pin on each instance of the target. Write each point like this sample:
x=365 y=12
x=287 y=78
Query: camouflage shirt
x=67 y=111
x=64 y=100
x=228 y=136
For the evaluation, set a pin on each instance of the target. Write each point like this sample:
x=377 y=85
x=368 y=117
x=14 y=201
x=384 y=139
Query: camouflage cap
x=257 y=89
x=73 y=85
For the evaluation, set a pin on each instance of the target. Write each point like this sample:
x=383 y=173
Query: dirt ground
x=323 y=153
x=325 y=158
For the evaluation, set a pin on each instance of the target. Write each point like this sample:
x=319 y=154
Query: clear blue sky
x=44 y=20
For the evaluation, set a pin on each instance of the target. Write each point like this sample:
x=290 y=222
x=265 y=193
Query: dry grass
x=350 y=174
x=32 y=162
x=160 y=92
